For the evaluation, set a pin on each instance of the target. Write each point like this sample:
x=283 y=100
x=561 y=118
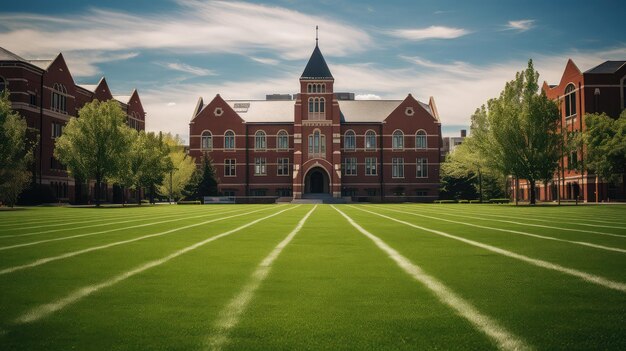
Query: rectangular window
x=421 y=192
x=33 y=99
x=260 y=166
x=572 y=161
x=283 y=192
x=370 y=166
x=422 y=168
x=372 y=192
x=57 y=130
x=349 y=166
x=259 y=192
x=230 y=169
x=229 y=193
x=283 y=167
x=397 y=167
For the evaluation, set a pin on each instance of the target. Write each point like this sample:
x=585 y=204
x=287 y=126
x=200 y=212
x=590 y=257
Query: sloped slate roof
x=316 y=68
x=607 y=67
x=89 y=87
x=43 y=64
x=6 y=55
x=263 y=110
x=367 y=110
x=122 y=98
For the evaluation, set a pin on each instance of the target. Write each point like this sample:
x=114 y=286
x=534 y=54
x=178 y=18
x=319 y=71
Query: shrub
x=445 y=201
x=464 y=201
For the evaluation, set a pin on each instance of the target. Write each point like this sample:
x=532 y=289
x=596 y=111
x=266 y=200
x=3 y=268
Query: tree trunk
x=97 y=192
x=531 y=191
x=516 y=187
x=152 y=193
x=597 y=189
x=138 y=195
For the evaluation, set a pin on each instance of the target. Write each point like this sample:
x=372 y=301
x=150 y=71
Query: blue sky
x=175 y=51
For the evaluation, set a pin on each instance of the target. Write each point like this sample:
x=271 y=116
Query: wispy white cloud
x=242 y=28
x=84 y=63
x=432 y=32
x=520 y=25
x=183 y=67
x=264 y=60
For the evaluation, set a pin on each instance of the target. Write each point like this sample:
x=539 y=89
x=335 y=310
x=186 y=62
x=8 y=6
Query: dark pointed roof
x=607 y=67
x=316 y=68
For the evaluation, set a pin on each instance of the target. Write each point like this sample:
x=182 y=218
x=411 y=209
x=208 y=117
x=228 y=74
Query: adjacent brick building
x=45 y=93
x=601 y=89
x=321 y=143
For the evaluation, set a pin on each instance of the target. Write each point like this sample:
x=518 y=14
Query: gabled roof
x=6 y=55
x=316 y=68
x=43 y=64
x=89 y=87
x=272 y=111
x=609 y=67
x=122 y=98
x=374 y=111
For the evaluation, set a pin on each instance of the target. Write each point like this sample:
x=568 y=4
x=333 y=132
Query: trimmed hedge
x=445 y=201
x=192 y=202
x=474 y=201
x=499 y=201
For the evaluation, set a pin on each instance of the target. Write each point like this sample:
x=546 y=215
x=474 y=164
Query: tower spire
x=316 y=35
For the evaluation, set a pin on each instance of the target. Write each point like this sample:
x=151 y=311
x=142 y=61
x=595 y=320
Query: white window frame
x=397 y=167
x=230 y=167
x=349 y=135
x=423 y=137
x=570 y=100
x=228 y=147
x=260 y=140
x=282 y=134
x=421 y=168
x=370 y=133
x=260 y=166
x=282 y=168
x=397 y=140
x=350 y=166
x=208 y=145
x=371 y=166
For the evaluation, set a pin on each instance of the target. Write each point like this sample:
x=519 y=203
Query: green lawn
x=266 y=277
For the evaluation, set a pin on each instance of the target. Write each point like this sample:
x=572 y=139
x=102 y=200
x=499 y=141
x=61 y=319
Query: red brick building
x=45 y=93
x=320 y=143
x=601 y=89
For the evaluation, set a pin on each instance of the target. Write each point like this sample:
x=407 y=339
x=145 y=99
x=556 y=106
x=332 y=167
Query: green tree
x=94 y=145
x=16 y=152
x=203 y=182
x=605 y=139
x=517 y=132
x=183 y=167
x=146 y=163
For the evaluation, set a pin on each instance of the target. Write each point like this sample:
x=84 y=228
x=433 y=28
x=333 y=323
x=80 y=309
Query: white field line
x=45 y=310
x=572 y=215
x=45 y=260
x=110 y=221
x=34 y=218
x=502 y=337
x=9 y=247
x=533 y=217
x=547 y=226
x=583 y=243
x=230 y=315
x=591 y=278
x=97 y=219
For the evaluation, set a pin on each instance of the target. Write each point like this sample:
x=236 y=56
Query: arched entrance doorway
x=316 y=181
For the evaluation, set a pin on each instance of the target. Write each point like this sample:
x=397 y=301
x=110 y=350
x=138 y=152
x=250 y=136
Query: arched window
x=317 y=143
x=323 y=88
x=3 y=84
x=322 y=105
x=370 y=140
x=260 y=140
x=206 y=140
x=398 y=140
x=420 y=140
x=59 y=98
x=282 y=140
x=229 y=140
x=311 y=105
x=570 y=100
x=349 y=140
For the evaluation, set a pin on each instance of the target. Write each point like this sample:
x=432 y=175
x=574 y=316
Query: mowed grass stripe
x=546 y=226
x=38 y=242
x=42 y=261
x=538 y=236
x=107 y=222
x=591 y=278
x=43 y=311
x=533 y=217
x=230 y=315
x=584 y=213
x=39 y=215
x=505 y=339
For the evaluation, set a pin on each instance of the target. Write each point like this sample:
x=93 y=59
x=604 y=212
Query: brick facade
x=317 y=122
x=601 y=89
x=46 y=95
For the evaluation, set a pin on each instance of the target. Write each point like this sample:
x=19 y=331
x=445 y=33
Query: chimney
x=463 y=133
